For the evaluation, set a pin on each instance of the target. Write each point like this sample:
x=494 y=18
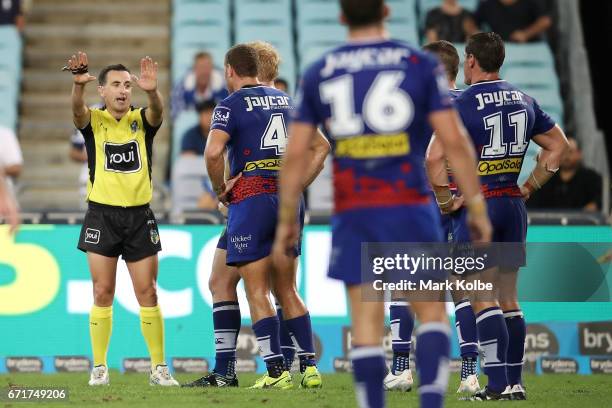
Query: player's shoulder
x=455 y=93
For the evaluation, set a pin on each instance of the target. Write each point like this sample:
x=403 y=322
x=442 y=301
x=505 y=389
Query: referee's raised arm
x=148 y=83
x=77 y=64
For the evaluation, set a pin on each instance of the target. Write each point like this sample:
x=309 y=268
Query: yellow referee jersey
x=119 y=158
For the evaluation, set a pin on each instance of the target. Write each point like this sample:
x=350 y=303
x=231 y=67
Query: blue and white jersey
x=501 y=120
x=373 y=101
x=256 y=119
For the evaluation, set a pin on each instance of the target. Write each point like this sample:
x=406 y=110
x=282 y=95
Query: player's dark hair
x=243 y=59
x=360 y=13
x=107 y=69
x=447 y=54
x=209 y=104
x=488 y=49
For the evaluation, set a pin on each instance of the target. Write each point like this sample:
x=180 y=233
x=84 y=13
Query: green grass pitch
x=132 y=390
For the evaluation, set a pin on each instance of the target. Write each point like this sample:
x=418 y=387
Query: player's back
x=501 y=120
x=374 y=100
x=256 y=120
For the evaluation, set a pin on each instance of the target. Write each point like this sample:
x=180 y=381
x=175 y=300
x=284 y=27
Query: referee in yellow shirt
x=119 y=141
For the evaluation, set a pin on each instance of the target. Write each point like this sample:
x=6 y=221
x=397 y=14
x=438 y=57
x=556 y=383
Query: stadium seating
x=10 y=75
x=532 y=54
x=426 y=5
x=182 y=123
x=199 y=25
x=262 y=10
x=403 y=23
x=188 y=175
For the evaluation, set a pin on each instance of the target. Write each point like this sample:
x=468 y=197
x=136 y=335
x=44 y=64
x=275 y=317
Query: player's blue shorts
x=222 y=244
x=509 y=220
x=417 y=223
x=455 y=227
x=251 y=226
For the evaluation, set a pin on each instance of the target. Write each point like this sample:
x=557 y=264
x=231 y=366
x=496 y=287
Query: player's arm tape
x=81 y=69
x=444 y=197
x=538 y=177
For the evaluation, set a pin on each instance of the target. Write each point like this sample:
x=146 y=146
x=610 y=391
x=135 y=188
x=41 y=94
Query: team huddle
x=415 y=160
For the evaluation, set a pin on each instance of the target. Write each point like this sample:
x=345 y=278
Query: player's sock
x=517 y=331
x=432 y=353
x=267 y=331
x=369 y=371
x=493 y=338
x=226 y=321
x=468 y=337
x=100 y=328
x=301 y=332
x=286 y=342
x=402 y=324
x=152 y=326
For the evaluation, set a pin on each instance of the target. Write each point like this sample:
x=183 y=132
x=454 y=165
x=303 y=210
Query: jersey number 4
x=497 y=147
x=275 y=136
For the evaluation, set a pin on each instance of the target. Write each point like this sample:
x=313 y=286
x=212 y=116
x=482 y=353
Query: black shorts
x=112 y=231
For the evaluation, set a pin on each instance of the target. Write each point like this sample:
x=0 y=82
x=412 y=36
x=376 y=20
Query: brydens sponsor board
x=540 y=341
x=343 y=364
x=72 y=364
x=247 y=351
x=595 y=338
x=24 y=364
x=601 y=365
x=136 y=365
x=48 y=285
x=559 y=365
x=190 y=365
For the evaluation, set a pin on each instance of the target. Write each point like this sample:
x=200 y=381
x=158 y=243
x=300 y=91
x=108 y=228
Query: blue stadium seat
x=276 y=33
x=404 y=30
x=527 y=78
x=311 y=54
x=317 y=12
x=404 y=9
x=189 y=40
x=321 y=35
x=211 y=13
x=184 y=121
x=262 y=10
x=534 y=54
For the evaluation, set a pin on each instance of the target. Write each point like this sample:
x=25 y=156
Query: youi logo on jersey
x=122 y=157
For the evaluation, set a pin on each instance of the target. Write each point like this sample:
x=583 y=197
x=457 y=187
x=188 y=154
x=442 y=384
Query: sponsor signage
x=24 y=364
x=72 y=364
x=192 y=365
x=595 y=338
x=601 y=365
x=136 y=365
x=540 y=341
x=559 y=365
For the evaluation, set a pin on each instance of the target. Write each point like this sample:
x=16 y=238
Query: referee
x=118 y=139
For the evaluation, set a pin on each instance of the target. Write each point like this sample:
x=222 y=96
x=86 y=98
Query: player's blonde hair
x=268 y=60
